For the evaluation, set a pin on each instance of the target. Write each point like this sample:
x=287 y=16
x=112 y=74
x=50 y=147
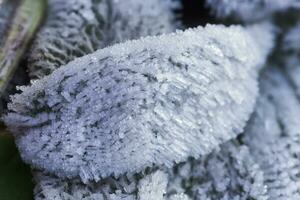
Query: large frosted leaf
x=227 y=173
x=75 y=28
x=250 y=10
x=157 y=100
x=273 y=136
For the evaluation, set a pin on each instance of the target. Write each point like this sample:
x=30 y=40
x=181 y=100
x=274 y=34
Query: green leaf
x=15 y=177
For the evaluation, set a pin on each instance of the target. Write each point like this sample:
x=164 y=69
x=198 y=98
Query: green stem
x=28 y=16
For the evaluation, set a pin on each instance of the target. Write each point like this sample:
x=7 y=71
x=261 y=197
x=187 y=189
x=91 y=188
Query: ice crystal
x=273 y=136
x=77 y=27
x=249 y=10
x=154 y=100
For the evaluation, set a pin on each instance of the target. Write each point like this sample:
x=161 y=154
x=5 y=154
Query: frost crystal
x=154 y=100
x=249 y=10
x=273 y=136
x=77 y=27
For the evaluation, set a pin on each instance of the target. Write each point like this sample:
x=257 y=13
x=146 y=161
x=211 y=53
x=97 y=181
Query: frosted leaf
x=155 y=100
x=132 y=19
x=226 y=174
x=273 y=136
x=50 y=187
x=55 y=189
x=141 y=186
x=75 y=28
x=249 y=10
x=72 y=29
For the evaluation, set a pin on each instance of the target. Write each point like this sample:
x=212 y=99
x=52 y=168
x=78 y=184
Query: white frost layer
x=157 y=100
x=273 y=136
x=249 y=10
x=74 y=28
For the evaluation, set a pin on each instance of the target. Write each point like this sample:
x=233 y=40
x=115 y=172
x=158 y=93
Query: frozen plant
x=157 y=100
x=273 y=136
x=75 y=28
x=249 y=10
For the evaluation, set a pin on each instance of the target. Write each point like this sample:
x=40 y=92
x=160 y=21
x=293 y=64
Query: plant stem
x=28 y=16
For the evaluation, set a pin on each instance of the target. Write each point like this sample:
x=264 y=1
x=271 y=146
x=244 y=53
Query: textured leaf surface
x=155 y=100
x=15 y=178
x=75 y=28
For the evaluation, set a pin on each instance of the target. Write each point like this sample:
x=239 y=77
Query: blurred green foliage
x=15 y=178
